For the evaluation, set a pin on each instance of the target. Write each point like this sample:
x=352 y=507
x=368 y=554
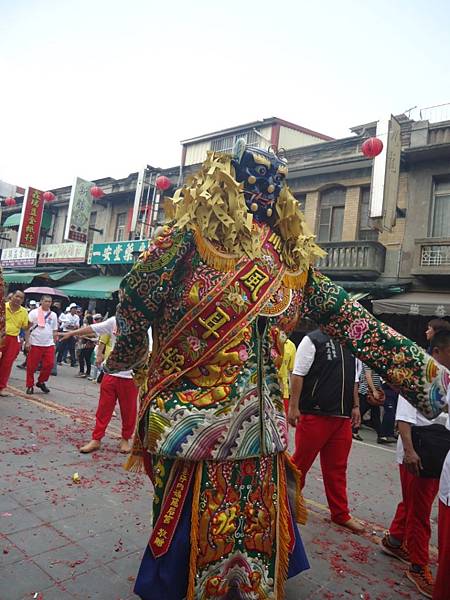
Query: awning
x=21 y=276
x=428 y=304
x=58 y=275
x=99 y=287
x=14 y=220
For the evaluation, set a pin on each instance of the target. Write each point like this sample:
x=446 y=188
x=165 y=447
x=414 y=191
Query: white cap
x=33 y=302
x=68 y=309
x=73 y=305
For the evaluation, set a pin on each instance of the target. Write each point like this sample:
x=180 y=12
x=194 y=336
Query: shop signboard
x=31 y=219
x=70 y=252
x=79 y=213
x=116 y=252
x=18 y=257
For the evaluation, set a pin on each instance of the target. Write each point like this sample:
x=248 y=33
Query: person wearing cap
x=16 y=319
x=69 y=322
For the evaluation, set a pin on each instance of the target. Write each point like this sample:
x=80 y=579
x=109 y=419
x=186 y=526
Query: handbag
x=432 y=444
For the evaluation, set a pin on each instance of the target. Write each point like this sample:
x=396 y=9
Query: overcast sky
x=99 y=88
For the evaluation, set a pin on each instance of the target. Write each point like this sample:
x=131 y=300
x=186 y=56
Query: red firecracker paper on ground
x=30 y=224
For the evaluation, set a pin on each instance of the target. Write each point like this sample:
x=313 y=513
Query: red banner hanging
x=30 y=224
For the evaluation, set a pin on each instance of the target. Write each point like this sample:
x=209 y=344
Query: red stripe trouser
x=411 y=523
x=9 y=350
x=36 y=355
x=332 y=437
x=113 y=389
x=442 y=584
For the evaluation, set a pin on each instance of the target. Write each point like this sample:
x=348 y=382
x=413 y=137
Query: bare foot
x=4 y=393
x=124 y=446
x=353 y=525
x=91 y=446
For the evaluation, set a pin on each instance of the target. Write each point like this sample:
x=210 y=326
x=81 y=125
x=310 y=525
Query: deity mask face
x=263 y=175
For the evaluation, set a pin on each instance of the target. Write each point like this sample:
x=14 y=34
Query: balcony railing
x=359 y=259
x=432 y=256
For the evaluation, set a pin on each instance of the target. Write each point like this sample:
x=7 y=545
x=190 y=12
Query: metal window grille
x=435 y=256
x=225 y=144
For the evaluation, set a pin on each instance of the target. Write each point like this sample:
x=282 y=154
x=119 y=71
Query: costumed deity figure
x=219 y=286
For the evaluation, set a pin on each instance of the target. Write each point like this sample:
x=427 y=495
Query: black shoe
x=43 y=387
x=30 y=390
x=386 y=440
x=22 y=366
x=356 y=436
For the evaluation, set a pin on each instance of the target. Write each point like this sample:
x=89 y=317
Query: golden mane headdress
x=212 y=204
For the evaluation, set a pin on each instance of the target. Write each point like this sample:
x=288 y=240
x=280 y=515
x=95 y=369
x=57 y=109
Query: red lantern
x=372 y=147
x=48 y=196
x=10 y=201
x=97 y=192
x=163 y=183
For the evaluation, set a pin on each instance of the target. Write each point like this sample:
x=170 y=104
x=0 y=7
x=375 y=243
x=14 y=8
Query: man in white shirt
x=69 y=322
x=323 y=406
x=409 y=534
x=115 y=387
x=40 y=344
x=441 y=584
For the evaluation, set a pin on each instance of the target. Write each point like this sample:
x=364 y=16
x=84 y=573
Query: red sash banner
x=166 y=524
x=214 y=322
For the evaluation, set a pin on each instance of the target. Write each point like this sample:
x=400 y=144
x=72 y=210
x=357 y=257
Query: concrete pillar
x=311 y=210
x=351 y=214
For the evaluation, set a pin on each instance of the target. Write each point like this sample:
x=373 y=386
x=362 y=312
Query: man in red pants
x=16 y=319
x=323 y=406
x=409 y=534
x=40 y=343
x=116 y=387
x=442 y=585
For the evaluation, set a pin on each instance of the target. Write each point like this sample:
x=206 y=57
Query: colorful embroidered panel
x=402 y=362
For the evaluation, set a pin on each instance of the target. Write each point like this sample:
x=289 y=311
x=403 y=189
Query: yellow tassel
x=295 y=281
x=195 y=515
x=220 y=261
x=134 y=464
x=301 y=512
x=283 y=537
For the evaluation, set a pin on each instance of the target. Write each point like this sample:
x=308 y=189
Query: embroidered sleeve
x=142 y=295
x=402 y=362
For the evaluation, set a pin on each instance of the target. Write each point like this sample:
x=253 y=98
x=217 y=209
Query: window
x=92 y=222
x=225 y=144
x=331 y=216
x=121 y=221
x=366 y=233
x=440 y=221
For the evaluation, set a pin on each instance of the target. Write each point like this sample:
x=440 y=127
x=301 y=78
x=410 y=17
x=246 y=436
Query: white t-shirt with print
x=42 y=336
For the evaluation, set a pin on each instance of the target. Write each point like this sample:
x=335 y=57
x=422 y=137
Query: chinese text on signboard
x=31 y=219
x=80 y=206
x=116 y=252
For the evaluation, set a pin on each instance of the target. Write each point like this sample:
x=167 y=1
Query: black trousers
x=64 y=347
x=85 y=356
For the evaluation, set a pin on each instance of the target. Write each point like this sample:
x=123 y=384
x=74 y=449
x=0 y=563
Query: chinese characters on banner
x=18 y=257
x=80 y=206
x=116 y=252
x=31 y=219
x=62 y=253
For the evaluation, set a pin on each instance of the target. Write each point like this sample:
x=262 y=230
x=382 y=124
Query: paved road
x=64 y=540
